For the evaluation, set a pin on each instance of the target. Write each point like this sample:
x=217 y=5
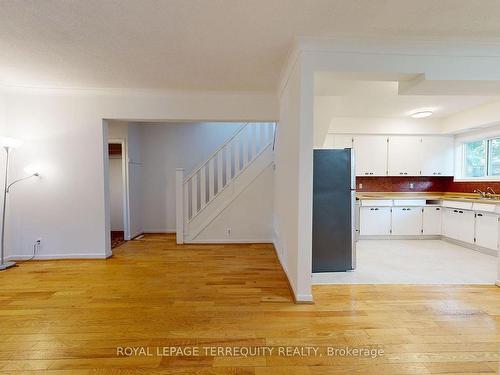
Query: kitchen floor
x=415 y=262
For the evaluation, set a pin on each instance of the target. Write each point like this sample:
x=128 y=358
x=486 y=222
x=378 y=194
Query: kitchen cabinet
x=431 y=221
x=341 y=141
x=437 y=156
x=375 y=221
x=459 y=225
x=487 y=230
x=404 y=156
x=450 y=223
x=406 y=221
x=371 y=155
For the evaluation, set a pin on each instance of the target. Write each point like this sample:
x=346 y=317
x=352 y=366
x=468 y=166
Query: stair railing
x=203 y=184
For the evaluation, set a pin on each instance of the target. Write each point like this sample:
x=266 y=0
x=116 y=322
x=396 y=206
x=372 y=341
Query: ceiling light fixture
x=421 y=114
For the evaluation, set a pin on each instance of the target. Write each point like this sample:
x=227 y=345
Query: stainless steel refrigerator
x=334 y=211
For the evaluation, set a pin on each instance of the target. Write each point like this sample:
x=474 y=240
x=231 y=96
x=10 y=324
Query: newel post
x=179 y=204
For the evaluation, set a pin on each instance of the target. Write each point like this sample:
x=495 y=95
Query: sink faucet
x=490 y=193
x=482 y=194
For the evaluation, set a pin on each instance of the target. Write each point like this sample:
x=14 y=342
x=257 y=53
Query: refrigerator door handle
x=353 y=168
x=353 y=229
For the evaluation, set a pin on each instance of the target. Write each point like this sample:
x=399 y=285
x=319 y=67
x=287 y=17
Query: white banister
x=223 y=166
x=219 y=171
x=179 y=205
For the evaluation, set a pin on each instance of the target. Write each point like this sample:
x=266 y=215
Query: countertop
x=464 y=197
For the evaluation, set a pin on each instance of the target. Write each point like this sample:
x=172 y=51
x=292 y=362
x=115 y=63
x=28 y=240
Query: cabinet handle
x=406 y=172
x=437 y=209
x=401 y=173
x=376 y=209
x=479 y=214
x=455 y=211
x=434 y=173
x=408 y=209
x=460 y=212
x=439 y=173
x=367 y=173
x=371 y=172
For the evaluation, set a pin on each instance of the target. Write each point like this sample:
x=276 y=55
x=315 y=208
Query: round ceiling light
x=421 y=114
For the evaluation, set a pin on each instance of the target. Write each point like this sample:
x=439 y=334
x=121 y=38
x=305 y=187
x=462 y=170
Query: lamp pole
x=4 y=265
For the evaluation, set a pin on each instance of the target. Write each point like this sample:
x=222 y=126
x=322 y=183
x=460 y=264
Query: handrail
x=186 y=179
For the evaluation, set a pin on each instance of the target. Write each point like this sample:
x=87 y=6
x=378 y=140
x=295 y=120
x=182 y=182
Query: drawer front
x=458 y=204
x=376 y=202
x=409 y=202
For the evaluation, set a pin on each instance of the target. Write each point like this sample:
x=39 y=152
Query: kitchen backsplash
x=421 y=184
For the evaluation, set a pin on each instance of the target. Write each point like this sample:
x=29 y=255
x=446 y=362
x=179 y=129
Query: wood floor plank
x=70 y=316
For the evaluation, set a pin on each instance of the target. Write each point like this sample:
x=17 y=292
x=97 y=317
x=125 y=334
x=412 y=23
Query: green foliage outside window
x=482 y=158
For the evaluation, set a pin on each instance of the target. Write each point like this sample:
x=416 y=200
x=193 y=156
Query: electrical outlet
x=39 y=241
x=411 y=185
x=228 y=232
x=360 y=186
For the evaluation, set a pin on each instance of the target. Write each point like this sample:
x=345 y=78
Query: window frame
x=487 y=176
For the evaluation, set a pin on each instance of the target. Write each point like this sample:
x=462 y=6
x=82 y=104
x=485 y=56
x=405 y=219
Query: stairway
x=203 y=194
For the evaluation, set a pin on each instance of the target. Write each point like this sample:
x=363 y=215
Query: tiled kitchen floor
x=415 y=262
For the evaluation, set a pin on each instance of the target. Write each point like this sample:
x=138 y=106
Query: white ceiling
x=204 y=44
x=381 y=99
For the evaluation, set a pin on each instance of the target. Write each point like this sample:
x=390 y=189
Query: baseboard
x=231 y=241
x=497 y=283
x=470 y=246
x=159 y=231
x=467 y=245
x=58 y=256
x=297 y=298
x=394 y=237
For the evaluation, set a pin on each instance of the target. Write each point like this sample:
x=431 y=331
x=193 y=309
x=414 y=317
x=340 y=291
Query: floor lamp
x=8 y=144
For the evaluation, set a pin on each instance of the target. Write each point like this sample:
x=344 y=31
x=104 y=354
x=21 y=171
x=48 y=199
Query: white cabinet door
x=371 y=155
x=338 y=141
x=375 y=221
x=465 y=225
x=450 y=223
x=404 y=156
x=406 y=221
x=341 y=141
x=432 y=221
x=437 y=156
x=487 y=230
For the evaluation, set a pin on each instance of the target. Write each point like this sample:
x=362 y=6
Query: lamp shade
x=10 y=142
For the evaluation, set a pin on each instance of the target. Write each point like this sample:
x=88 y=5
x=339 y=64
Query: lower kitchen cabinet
x=432 y=217
x=487 y=230
x=406 y=221
x=375 y=221
x=450 y=223
x=459 y=224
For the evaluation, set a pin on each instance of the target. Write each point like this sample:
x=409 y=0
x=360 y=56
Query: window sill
x=477 y=179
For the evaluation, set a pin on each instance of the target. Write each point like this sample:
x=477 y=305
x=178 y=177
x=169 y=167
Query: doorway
x=118 y=197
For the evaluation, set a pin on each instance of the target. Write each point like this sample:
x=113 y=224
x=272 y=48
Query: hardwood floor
x=69 y=317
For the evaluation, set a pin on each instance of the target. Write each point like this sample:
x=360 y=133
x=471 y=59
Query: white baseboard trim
x=467 y=245
x=232 y=240
x=304 y=298
x=58 y=256
x=162 y=231
x=298 y=298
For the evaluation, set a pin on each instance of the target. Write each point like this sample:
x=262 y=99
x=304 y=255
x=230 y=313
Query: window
x=482 y=158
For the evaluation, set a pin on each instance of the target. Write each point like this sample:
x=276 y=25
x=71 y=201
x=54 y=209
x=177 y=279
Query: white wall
x=166 y=147
x=64 y=133
x=116 y=193
x=249 y=216
x=291 y=222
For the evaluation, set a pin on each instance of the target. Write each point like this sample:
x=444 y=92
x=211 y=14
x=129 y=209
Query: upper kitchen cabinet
x=405 y=155
x=338 y=141
x=437 y=156
x=371 y=155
